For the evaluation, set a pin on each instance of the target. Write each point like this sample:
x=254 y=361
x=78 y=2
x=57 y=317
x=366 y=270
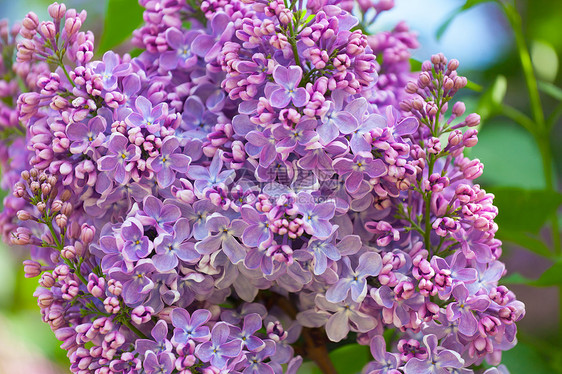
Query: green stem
x=515 y=21
x=554 y=116
x=293 y=43
x=134 y=329
x=61 y=64
x=427 y=198
x=518 y=117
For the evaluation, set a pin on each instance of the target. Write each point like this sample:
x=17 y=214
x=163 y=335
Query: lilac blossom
x=225 y=238
x=159 y=215
x=355 y=170
x=252 y=323
x=385 y=362
x=171 y=248
x=289 y=91
x=219 y=350
x=169 y=162
x=121 y=159
x=137 y=282
x=437 y=362
x=86 y=138
x=315 y=216
x=463 y=309
x=212 y=176
x=181 y=54
x=111 y=69
x=147 y=116
x=260 y=174
x=159 y=344
x=370 y=264
x=161 y=364
x=190 y=327
x=137 y=245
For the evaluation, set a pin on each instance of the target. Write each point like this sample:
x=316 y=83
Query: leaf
x=501 y=144
x=490 y=101
x=451 y=17
x=551 y=90
x=350 y=358
x=525 y=240
x=516 y=278
x=473 y=86
x=524 y=358
x=545 y=60
x=551 y=277
x=415 y=65
x=121 y=18
x=524 y=210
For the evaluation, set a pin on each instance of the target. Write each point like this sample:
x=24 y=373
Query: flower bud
x=459 y=108
x=31 y=268
x=24 y=215
x=87 y=233
x=472 y=120
x=61 y=220
x=68 y=252
x=141 y=314
x=47 y=280
x=57 y=11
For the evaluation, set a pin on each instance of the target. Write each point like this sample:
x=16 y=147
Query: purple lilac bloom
x=146 y=116
x=190 y=327
x=137 y=245
x=181 y=54
x=161 y=216
x=258 y=181
x=437 y=362
x=219 y=350
x=171 y=248
x=288 y=80
x=316 y=216
x=169 y=162
x=86 y=138
x=370 y=264
x=463 y=309
x=111 y=69
x=252 y=323
x=121 y=159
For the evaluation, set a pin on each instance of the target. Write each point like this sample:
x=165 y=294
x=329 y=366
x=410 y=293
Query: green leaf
x=551 y=90
x=545 y=60
x=490 y=101
x=121 y=18
x=503 y=144
x=525 y=240
x=551 y=277
x=351 y=358
x=415 y=65
x=474 y=86
x=451 y=17
x=516 y=278
x=524 y=210
x=524 y=358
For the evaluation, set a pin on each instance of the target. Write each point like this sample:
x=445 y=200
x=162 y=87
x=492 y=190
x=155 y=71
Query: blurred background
x=482 y=39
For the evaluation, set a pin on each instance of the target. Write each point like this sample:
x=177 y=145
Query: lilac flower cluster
x=251 y=188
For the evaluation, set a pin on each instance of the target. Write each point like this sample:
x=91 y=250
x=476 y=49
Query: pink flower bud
x=472 y=120
x=31 y=268
x=87 y=233
x=57 y=11
x=141 y=314
x=112 y=305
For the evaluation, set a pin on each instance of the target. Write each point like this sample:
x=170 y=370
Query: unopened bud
x=31 y=268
